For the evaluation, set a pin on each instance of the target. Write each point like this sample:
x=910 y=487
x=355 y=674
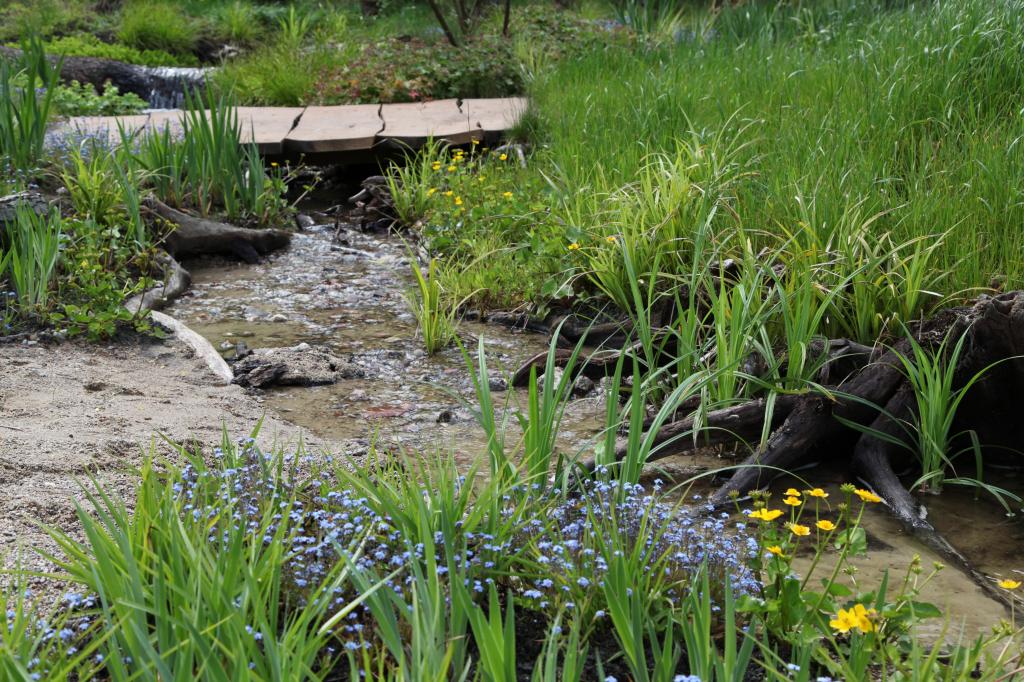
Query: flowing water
x=348 y=295
x=169 y=84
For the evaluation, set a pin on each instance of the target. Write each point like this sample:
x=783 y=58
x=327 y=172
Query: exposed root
x=199 y=236
x=866 y=396
x=175 y=283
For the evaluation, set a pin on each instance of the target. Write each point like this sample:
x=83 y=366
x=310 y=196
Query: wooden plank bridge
x=351 y=129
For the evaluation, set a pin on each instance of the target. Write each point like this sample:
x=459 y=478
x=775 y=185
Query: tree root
x=867 y=395
x=199 y=345
x=198 y=236
x=176 y=282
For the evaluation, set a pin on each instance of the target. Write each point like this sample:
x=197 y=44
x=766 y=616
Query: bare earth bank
x=76 y=411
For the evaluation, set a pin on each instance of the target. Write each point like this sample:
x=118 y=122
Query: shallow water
x=349 y=296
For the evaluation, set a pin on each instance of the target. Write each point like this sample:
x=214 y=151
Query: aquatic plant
x=32 y=257
x=436 y=314
x=27 y=88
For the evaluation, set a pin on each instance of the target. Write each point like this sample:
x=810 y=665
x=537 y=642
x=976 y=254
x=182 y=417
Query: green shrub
x=383 y=69
x=157 y=25
x=85 y=45
x=237 y=21
x=81 y=100
x=46 y=17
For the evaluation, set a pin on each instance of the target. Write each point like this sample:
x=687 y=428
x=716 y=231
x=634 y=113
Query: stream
x=348 y=295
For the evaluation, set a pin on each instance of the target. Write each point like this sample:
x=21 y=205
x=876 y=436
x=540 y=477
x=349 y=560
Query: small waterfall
x=168 y=84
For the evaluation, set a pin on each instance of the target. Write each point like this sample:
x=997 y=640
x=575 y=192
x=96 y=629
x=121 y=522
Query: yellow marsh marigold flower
x=430 y=192
x=766 y=514
x=858 y=618
x=436 y=165
x=458 y=201
x=451 y=169
x=825 y=525
x=817 y=492
x=1008 y=584
x=792 y=492
x=449 y=193
x=507 y=195
x=774 y=549
x=503 y=157
x=797 y=529
x=793 y=501
x=867 y=495
x=611 y=239
x=273 y=164
x=573 y=246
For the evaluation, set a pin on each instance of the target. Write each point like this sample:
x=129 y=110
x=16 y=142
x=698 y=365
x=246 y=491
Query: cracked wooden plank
x=267 y=127
x=108 y=127
x=412 y=124
x=493 y=115
x=335 y=129
x=342 y=128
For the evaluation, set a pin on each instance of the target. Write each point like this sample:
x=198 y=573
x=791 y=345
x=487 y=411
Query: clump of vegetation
x=85 y=45
x=156 y=25
x=483 y=212
x=352 y=66
x=76 y=99
x=436 y=315
x=28 y=88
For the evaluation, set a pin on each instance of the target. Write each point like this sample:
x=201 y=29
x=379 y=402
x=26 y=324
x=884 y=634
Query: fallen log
x=96 y=71
x=200 y=236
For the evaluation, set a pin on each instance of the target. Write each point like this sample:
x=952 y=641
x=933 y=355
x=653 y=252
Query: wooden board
x=170 y=119
x=100 y=126
x=494 y=115
x=335 y=129
x=267 y=126
x=414 y=123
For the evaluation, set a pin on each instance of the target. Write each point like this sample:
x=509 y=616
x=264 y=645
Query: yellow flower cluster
x=856 y=618
x=799 y=530
x=1009 y=584
x=867 y=495
x=766 y=514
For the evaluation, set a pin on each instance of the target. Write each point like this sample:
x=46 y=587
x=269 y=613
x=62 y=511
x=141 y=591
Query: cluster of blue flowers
x=320 y=524
x=568 y=540
x=64 y=634
x=575 y=539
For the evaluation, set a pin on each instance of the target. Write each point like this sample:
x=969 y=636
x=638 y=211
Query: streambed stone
x=301 y=365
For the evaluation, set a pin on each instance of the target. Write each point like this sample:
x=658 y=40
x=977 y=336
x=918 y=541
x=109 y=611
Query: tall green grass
x=33 y=255
x=27 y=87
x=903 y=111
x=436 y=315
x=208 y=169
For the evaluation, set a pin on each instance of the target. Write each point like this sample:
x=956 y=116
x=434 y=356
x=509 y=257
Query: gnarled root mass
x=193 y=236
x=869 y=401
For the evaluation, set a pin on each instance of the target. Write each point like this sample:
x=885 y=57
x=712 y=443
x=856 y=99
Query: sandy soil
x=76 y=411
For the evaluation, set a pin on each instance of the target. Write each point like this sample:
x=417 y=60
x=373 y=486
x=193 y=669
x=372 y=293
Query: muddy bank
x=77 y=411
